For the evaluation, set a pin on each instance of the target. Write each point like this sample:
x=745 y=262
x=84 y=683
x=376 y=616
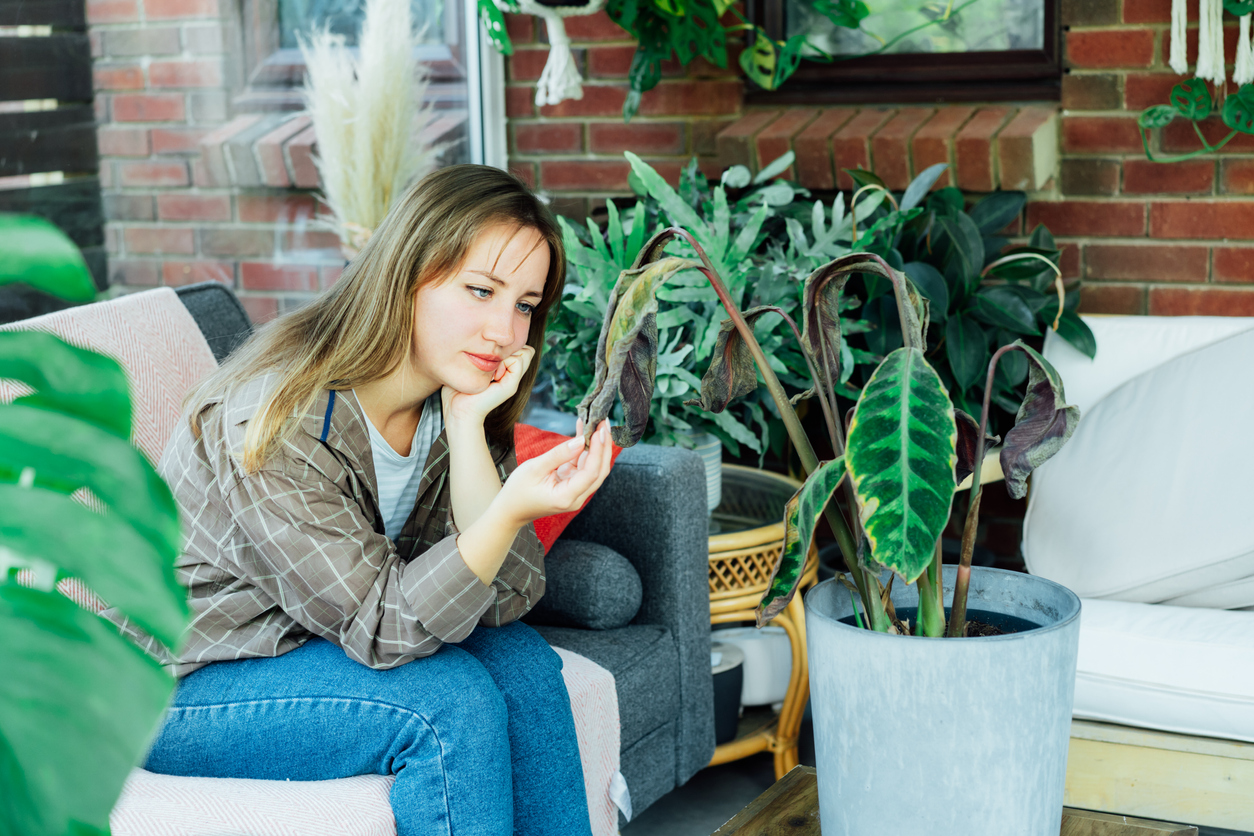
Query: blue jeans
x=479 y=735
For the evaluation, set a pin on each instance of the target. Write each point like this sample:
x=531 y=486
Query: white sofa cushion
x=1178 y=669
x=1151 y=499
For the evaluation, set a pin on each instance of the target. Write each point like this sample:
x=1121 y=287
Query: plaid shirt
x=297 y=549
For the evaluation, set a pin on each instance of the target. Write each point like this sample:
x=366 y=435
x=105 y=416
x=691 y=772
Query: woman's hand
x=558 y=481
x=460 y=407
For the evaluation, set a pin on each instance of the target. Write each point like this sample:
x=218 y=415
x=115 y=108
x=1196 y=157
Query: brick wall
x=159 y=71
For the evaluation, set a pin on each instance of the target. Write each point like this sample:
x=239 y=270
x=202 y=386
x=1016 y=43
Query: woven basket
x=741 y=560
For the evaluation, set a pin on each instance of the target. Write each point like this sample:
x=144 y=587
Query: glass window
x=298 y=17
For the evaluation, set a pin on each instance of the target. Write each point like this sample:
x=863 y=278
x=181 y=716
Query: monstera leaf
x=1043 y=425
x=36 y=253
x=901 y=459
x=801 y=515
x=732 y=373
x=627 y=348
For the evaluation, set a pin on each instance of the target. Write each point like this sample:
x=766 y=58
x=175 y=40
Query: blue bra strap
x=326 y=421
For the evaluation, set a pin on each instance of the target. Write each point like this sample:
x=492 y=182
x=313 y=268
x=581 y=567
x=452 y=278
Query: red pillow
x=530 y=442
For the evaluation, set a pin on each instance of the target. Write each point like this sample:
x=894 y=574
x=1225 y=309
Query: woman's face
x=466 y=325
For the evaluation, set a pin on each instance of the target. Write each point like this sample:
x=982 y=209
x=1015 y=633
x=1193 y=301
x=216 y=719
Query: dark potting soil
x=979 y=622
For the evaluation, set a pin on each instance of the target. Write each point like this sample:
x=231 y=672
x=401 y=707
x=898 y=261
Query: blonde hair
x=360 y=329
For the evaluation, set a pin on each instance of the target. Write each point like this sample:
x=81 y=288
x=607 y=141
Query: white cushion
x=1152 y=498
x=1178 y=669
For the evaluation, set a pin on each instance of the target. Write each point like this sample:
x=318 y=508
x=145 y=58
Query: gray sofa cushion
x=219 y=315
x=587 y=585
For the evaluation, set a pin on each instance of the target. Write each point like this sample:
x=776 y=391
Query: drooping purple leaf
x=968 y=435
x=732 y=373
x=1043 y=425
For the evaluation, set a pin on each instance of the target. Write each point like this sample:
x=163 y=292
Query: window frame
x=1008 y=75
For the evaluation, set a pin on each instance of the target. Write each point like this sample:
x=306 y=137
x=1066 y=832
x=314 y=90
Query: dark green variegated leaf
x=861 y=177
x=759 y=61
x=966 y=349
x=1158 y=116
x=627 y=348
x=931 y=284
x=968 y=435
x=1074 y=330
x=1003 y=307
x=901 y=458
x=68 y=379
x=1191 y=99
x=1238 y=112
x=1042 y=238
x=946 y=201
x=801 y=515
x=966 y=244
x=78 y=706
x=1042 y=426
x=995 y=212
x=40 y=255
x=921 y=185
x=732 y=373
x=885 y=336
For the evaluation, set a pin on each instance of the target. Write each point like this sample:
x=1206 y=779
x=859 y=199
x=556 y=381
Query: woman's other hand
x=558 y=481
x=460 y=407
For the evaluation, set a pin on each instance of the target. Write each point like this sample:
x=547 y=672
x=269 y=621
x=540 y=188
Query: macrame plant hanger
x=1210 y=44
x=560 y=79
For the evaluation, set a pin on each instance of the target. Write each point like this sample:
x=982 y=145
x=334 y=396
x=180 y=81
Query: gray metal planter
x=944 y=737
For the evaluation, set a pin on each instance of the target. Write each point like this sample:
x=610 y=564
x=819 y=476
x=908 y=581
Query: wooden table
x=791 y=808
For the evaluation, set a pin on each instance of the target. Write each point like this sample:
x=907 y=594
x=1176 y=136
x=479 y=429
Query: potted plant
x=915 y=723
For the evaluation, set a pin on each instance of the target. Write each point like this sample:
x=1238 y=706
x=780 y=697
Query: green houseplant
x=78 y=702
x=900 y=455
x=1191 y=99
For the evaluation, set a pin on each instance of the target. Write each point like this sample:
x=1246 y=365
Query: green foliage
x=983 y=293
x=1191 y=99
x=901 y=458
x=78 y=702
x=762 y=235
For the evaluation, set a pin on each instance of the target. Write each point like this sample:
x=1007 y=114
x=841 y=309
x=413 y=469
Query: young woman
x=359 y=539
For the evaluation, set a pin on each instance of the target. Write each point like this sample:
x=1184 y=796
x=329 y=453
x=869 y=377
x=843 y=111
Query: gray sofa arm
x=651 y=510
x=218 y=313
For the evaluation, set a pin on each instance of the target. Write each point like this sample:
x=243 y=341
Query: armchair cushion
x=587 y=585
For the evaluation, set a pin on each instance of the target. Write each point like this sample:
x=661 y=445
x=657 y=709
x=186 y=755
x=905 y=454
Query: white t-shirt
x=399 y=476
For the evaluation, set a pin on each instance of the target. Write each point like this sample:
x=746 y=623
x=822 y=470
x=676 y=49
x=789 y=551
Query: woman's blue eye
x=526 y=308
x=475 y=289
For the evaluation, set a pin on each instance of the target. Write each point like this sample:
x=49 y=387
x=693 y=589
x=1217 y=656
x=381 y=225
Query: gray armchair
x=651 y=510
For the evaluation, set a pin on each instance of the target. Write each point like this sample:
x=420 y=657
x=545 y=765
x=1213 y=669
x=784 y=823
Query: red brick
x=1234 y=264
x=594 y=27
x=527 y=64
x=520 y=28
x=205 y=72
x=584 y=175
x=112 y=11
x=148 y=239
x=1145 y=263
x=134 y=273
x=313 y=243
x=236 y=242
x=520 y=101
x=122 y=142
x=1089 y=218
x=933 y=143
x=524 y=171
x=1112 y=48
x=1202 y=219
x=260 y=308
x=177 y=140
x=1203 y=301
x=692 y=98
x=1142 y=90
x=1017 y=144
x=1230 y=42
x=598 y=100
x=1088 y=177
x=176 y=273
x=193 y=207
x=148 y=107
x=1069 y=261
x=814 y=148
x=973 y=148
x=1237 y=176
x=851 y=146
x=549 y=137
x=117 y=77
x=285 y=209
x=609 y=61
x=1179 y=136
x=735 y=142
x=100 y=107
x=639 y=137
x=269 y=150
x=776 y=139
x=300 y=154
x=1090 y=92
x=106 y=174
x=1100 y=134
x=890 y=146
x=1111 y=299
x=1145 y=177
x=150 y=40
x=266 y=276
x=1152 y=11
x=172 y=9
x=141 y=174
x=200 y=176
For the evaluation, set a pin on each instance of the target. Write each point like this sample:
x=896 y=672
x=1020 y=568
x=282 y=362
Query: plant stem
x=958 y=615
x=931 y=621
x=828 y=406
x=1206 y=149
